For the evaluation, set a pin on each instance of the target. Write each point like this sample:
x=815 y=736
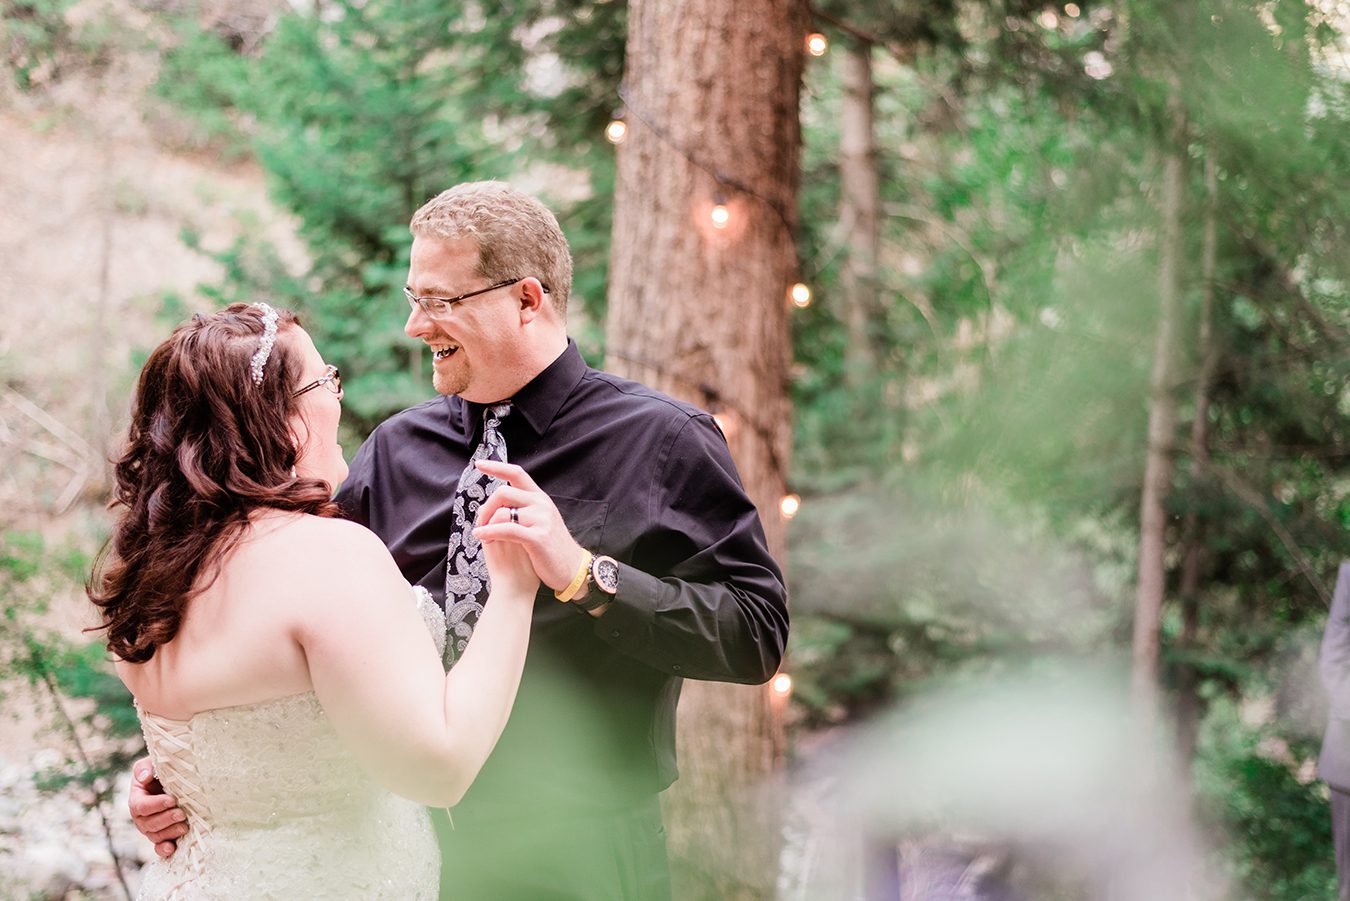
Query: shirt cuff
x=629 y=622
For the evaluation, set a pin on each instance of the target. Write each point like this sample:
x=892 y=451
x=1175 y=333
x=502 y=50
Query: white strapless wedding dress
x=277 y=807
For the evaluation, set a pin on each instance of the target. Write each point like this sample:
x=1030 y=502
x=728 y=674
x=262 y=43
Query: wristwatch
x=605 y=575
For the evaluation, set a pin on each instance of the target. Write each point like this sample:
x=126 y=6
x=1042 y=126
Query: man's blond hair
x=517 y=235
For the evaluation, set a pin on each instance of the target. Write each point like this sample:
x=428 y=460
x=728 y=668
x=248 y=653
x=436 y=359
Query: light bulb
x=727 y=421
x=800 y=295
x=789 y=505
x=720 y=215
x=782 y=685
x=616 y=131
x=817 y=44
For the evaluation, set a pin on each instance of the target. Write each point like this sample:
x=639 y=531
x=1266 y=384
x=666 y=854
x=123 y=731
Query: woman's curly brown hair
x=205 y=449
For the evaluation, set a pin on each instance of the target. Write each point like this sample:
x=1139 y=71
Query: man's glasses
x=331 y=379
x=442 y=307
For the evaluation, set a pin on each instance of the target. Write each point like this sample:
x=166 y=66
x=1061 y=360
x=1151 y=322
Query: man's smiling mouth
x=444 y=351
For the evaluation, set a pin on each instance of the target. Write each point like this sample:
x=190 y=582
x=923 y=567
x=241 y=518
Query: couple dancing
x=288 y=651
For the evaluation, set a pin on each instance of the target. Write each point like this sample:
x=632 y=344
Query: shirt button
x=614 y=634
x=676 y=667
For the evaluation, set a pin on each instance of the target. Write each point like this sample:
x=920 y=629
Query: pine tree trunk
x=1158 y=467
x=1188 y=698
x=859 y=211
x=700 y=313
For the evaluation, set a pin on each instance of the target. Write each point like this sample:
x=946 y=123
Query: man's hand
x=155 y=813
x=538 y=526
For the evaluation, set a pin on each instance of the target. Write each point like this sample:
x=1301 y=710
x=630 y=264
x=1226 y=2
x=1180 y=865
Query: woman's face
x=315 y=424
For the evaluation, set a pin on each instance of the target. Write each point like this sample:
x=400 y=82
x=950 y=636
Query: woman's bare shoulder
x=332 y=556
x=327 y=535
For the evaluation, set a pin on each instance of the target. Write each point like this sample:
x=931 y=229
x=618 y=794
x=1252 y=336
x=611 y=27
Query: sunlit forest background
x=1069 y=391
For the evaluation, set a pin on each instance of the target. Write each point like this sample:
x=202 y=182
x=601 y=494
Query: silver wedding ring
x=515 y=515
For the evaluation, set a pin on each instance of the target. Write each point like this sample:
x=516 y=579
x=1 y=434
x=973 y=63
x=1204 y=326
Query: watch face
x=606 y=575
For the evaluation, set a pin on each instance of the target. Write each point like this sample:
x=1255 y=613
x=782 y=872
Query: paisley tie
x=466 y=576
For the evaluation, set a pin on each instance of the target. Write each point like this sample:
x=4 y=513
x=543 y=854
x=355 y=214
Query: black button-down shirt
x=636 y=475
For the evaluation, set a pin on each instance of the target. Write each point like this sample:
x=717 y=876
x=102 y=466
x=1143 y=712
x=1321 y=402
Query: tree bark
x=700 y=312
x=1188 y=698
x=859 y=211
x=1158 y=468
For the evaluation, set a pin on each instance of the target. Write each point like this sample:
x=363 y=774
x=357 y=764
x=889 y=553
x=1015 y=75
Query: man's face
x=477 y=349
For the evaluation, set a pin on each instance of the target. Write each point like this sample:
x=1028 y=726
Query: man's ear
x=532 y=298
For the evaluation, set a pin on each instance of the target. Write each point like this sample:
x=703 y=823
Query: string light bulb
x=720 y=215
x=817 y=44
x=725 y=418
x=781 y=685
x=616 y=131
x=800 y=295
x=789 y=504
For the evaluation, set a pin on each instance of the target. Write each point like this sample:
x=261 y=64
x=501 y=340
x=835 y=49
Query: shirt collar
x=538 y=403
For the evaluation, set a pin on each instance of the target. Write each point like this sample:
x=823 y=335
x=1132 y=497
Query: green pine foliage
x=1276 y=822
x=32 y=574
x=357 y=117
x=360 y=115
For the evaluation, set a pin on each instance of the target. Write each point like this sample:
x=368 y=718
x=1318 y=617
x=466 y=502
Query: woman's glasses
x=331 y=379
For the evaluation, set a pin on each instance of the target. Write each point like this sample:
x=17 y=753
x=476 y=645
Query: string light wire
x=712 y=397
x=716 y=174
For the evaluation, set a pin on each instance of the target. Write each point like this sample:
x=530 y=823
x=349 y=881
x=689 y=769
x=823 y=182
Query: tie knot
x=494 y=415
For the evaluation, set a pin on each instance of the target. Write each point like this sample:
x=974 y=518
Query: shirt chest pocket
x=585 y=519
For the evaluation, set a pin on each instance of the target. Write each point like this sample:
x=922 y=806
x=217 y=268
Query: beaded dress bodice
x=277 y=807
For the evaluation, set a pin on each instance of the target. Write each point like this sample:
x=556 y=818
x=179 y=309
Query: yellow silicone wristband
x=577 y=581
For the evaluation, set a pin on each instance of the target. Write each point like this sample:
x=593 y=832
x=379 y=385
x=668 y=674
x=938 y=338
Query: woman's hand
x=508 y=563
x=155 y=813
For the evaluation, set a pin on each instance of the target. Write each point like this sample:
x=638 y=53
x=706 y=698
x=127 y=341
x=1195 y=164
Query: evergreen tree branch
x=38 y=662
x=1254 y=499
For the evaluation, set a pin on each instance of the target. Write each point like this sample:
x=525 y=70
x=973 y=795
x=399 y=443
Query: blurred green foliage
x=37 y=40
x=81 y=695
x=1017 y=321
x=1278 y=826
x=974 y=500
